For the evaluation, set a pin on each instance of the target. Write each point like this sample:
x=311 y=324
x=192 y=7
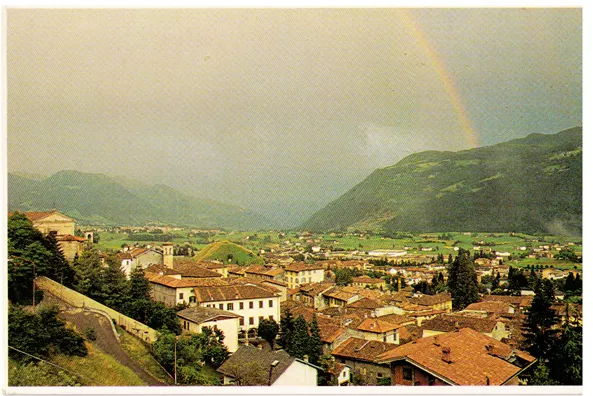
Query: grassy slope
x=532 y=184
x=221 y=250
x=99 y=369
x=141 y=354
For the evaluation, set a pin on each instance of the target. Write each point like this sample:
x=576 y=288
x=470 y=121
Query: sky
x=280 y=110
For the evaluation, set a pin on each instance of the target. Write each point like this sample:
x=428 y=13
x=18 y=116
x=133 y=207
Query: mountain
x=533 y=184
x=99 y=199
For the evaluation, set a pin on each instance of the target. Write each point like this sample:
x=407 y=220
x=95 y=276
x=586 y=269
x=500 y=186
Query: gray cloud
x=259 y=106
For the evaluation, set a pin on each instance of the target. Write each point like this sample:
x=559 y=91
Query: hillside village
x=380 y=317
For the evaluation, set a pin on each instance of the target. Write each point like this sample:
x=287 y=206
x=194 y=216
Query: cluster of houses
x=376 y=333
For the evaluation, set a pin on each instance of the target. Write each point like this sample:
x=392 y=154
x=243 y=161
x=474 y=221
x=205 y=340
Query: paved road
x=106 y=340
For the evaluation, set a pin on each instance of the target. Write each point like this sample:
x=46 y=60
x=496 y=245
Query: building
x=61 y=227
x=252 y=303
x=447 y=323
x=172 y=289
x=378 y=329
x=193 y=319
x=367 y=281
x=464 y=357
x=253 y=366
x=299 y=273
x=360 y=354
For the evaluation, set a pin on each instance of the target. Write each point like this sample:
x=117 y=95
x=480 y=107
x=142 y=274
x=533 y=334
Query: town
x=188 y=306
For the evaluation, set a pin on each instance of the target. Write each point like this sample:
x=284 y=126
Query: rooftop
x=204 y=314
x=464 y=357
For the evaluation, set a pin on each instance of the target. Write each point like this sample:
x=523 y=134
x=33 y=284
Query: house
x=172 y=289
x=252 y=303
x=486 y=308
x=252 y=366
x=447 y=323
x=215 y=266
x=360 y=354
x=61 y=227
x=463 y=357
x=339 y=374
x=191 y=269
x=367 y=281
x=378 y=329
x=518 y=303
x=299 y=273
x=311 y=295
x=193 y=319
x=442 y=301
x=130 y=259
x=338 y=297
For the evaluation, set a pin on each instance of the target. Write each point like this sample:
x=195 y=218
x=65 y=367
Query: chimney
x=446 y=355
x=306 y=358
x=490 y=348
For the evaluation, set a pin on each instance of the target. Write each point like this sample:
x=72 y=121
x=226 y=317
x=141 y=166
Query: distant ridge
x=532 y=184
x=99 y=199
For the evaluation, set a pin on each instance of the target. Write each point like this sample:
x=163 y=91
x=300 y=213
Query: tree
x=139 y=287
x=268 y=330
x=286 y=329
x=462 y=282
x=496 y=281
x=567 y=355
x=299 y=345
x=315 y=347
x=30 y=252
x=538 y=327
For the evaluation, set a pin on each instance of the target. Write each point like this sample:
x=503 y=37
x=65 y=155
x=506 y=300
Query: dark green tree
x=139 y=287
x=566 y=364
x=268 y=330
x=315 y=347
x=538 y=328
x=286 y=329
x=30 y=252
x=496 y=281
x=462 y=282
x=299 y=345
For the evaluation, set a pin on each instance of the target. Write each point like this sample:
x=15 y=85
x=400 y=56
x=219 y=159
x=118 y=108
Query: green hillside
x=533 y=184
x=99 y=199
x=224 y=250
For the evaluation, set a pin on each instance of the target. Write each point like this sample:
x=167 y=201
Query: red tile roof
x=232 y=292
x=301 y=266
x=472 y=357
x=376 y=325
x=500 y=307
x=362 y=350
x=168 y=281
x=191 y=269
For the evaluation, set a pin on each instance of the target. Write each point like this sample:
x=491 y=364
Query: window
x=250 y=304
x=251 y=321
x=303 y=280
x=261 y=318
x=241 y=321
x=309 y=279
x=181 y=296
x=407 y=373
x=379 y=375
x=229 y=307
x=220 y=306
x=261 y=304
x=271 y=317
x=192 y=299
x=271 y=303
x=430 y=380
x=240 y=305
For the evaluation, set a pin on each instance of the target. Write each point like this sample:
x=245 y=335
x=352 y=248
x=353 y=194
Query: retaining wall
x=76 y=299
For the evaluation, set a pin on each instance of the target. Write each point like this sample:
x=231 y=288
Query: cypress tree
x=539 y=322
x=315 y=344
x=299 y=345
x=286 y=330
x=462 y=282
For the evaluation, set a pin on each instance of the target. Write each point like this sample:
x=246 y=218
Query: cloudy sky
x=280 y=109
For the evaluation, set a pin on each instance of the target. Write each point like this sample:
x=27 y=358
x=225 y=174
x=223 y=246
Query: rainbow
x=448 y=82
